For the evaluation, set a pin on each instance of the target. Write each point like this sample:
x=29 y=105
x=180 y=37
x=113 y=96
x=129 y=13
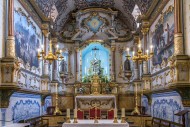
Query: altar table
x=90 y=123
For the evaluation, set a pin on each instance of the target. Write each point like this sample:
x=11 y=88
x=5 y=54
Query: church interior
x=94 y=63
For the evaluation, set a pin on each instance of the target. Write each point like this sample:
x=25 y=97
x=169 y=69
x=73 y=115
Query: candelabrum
x=50 y=57
x=140 y=57
x=57 y=111
x=136 y=110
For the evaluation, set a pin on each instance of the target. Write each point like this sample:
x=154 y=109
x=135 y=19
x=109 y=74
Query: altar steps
x=131 y=124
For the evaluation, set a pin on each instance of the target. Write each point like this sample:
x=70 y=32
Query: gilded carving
x=11 y=46
x=178 y=44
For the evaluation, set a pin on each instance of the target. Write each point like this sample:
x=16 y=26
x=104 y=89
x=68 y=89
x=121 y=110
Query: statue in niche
x=127 y=66
x=95 y=67
x=63 y=65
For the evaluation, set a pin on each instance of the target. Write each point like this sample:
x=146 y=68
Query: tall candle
x=127 y=51
x=115 y=112
x=68 y=112
x=147 y=52
x=75 y=113
x=151 y=48
x=123 y=112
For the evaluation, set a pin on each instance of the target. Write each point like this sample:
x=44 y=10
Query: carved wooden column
x=77 y=62
x=179 y=66
x=10 y=39
x=178 y=36
x=145 y=29
x=9 y=65
x=45 y=31
x=113 y=48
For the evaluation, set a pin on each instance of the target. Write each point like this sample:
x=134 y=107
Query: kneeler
x=80 y=114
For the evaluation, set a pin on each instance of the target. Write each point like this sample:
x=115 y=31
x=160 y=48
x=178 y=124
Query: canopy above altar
x=101 y=101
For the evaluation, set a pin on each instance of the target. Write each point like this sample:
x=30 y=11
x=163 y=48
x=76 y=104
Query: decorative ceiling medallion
x=94 y=22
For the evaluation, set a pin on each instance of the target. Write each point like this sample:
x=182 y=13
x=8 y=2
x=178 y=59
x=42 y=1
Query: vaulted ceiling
x=60 y=10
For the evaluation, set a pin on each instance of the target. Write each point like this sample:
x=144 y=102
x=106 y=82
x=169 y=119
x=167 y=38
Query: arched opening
x=95 y=61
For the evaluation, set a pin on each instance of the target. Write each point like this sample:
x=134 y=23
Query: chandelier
x=50 y=57
x=139 y=56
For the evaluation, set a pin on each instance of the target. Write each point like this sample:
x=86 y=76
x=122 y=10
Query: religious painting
x=163 y=37
x=27 y=40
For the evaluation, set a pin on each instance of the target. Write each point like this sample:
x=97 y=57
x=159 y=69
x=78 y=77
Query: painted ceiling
x=61 y=10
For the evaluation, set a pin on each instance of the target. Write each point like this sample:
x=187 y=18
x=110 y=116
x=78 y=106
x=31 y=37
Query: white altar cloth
x=95 y=97
x=90 y=123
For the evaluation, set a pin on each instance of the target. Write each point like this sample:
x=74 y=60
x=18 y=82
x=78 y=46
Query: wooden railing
x=37 y=122
x=157 y=122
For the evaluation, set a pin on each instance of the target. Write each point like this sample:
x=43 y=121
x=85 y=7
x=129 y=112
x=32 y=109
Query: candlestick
x=75 y=116
x=123 y=112
x=68 y=112
x=115 y=112
x=75 y=113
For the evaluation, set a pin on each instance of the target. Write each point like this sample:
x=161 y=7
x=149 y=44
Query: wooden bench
x=37 y=122
x=157 y=122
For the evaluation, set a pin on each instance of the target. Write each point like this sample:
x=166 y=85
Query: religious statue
x=127 y=66
x=63 y=65
x=127 y=69
x=95 y=67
